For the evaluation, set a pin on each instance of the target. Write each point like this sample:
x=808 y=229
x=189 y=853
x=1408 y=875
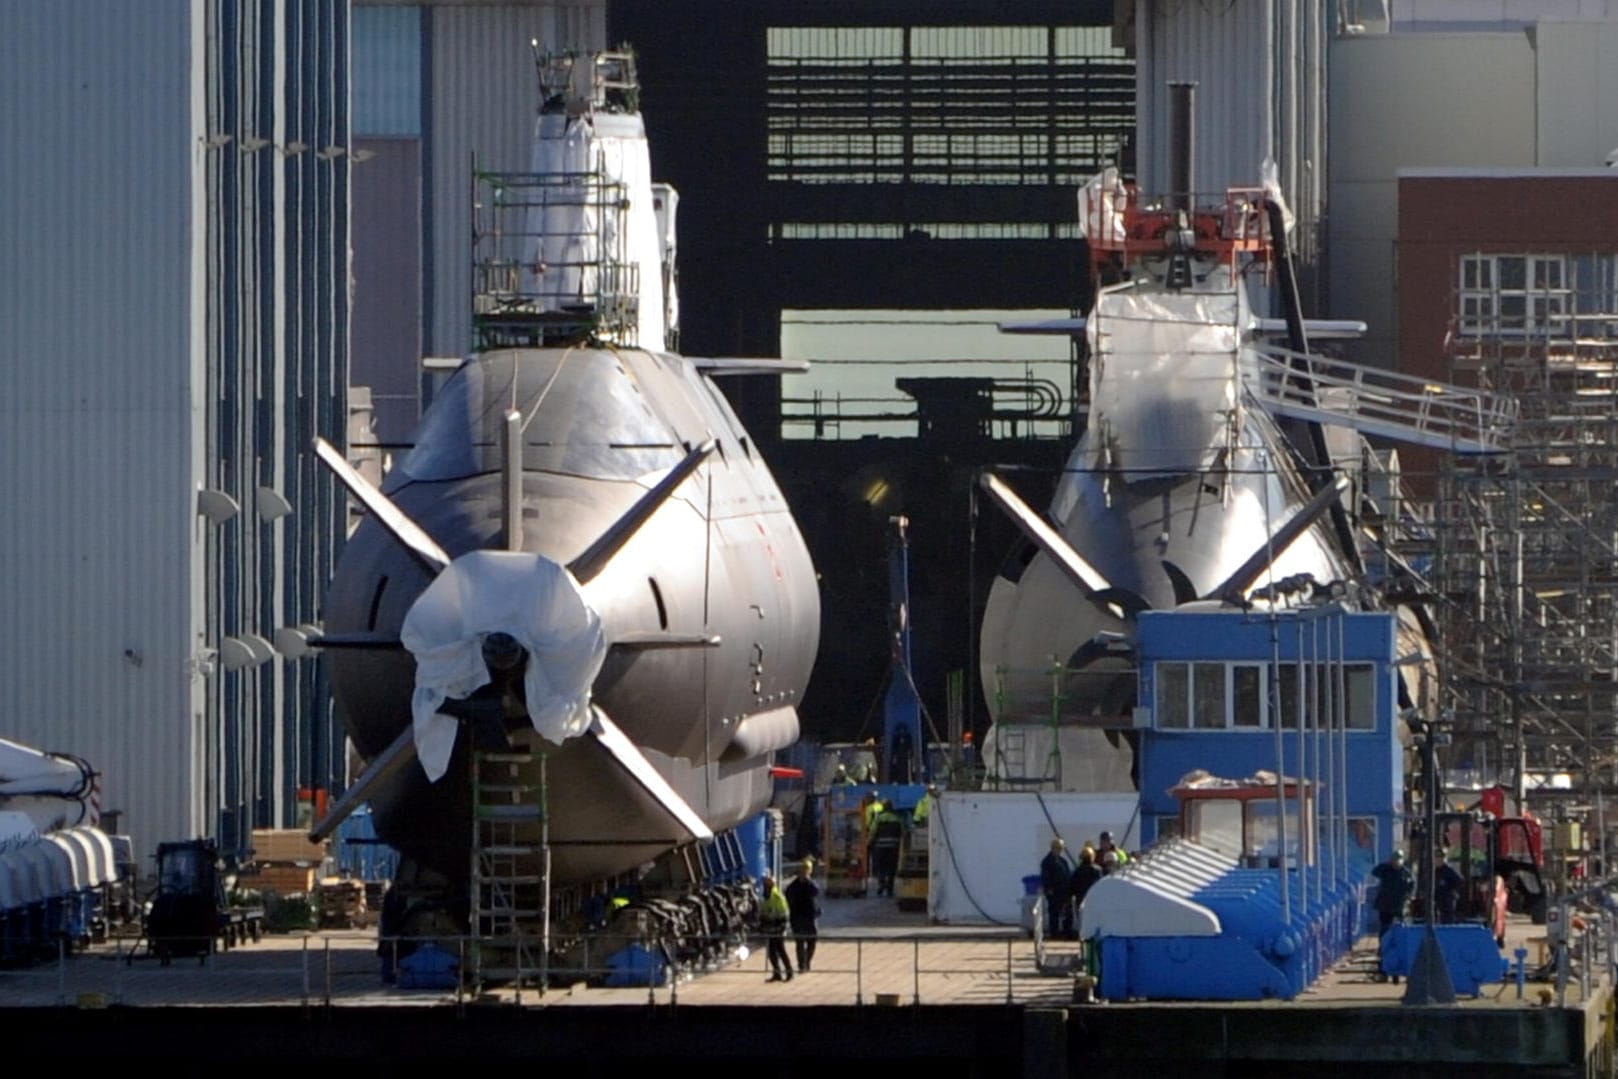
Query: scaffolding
x=1526 y=541
x=510 y=927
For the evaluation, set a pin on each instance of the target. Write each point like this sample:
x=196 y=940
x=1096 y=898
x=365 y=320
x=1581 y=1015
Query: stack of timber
x=287 y=862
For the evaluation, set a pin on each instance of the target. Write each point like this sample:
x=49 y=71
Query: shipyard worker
x=772 y=919
x=803 y=907
x=1105 y=846
x=885 y=843
x=1084 y=878
x=1056 y=881
x=870 y=806
x=1447 y=888
x=924 y=806
x=873 y=806
x=1394 y=885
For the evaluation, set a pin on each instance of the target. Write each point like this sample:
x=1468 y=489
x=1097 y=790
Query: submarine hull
x=709 y=612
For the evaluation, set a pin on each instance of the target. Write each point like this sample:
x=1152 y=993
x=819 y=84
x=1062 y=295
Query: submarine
x=583 y=560
x=1203 y=477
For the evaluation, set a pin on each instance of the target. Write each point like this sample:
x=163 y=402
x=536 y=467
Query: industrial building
x=175 y=307
x=250 y=198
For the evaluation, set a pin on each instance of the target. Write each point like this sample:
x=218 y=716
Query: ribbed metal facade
x=387 y=71
x=435 y=87
x=173 y=315
x=1260 y=70
x=481 y=98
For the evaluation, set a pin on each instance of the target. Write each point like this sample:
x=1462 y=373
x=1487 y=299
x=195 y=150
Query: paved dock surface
x=869 y=953
x=884 y=984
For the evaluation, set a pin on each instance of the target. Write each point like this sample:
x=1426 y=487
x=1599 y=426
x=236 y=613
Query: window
x=1359 y=696
x=1208 y=695
x=1222 y=696
x=1264 y=834
x=1173 y=691
x=1247 y=695
x=1544 y=295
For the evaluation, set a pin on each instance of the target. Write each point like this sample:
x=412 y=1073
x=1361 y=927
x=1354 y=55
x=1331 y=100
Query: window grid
x=1547 y=296
x=1234 y=695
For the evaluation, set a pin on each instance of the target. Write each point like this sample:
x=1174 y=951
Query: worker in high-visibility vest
x=773 y=913
x=924 y=807
x=873 y=806
x=870 y=806
x=886 y=837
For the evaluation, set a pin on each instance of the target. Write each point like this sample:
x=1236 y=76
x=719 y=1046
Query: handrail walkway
x=1374 y=401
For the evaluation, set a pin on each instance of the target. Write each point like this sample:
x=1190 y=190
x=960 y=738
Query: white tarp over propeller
x=541 y=606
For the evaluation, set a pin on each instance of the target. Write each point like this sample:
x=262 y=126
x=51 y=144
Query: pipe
x=1182 y=145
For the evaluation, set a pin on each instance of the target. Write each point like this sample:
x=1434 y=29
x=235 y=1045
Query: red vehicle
x=1520 y=854
x=1499 y=863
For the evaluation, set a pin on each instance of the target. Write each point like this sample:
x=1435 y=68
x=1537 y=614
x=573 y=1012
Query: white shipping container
x=981 y=844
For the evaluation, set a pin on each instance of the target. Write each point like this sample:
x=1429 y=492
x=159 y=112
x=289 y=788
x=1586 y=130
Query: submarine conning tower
x=581 y=249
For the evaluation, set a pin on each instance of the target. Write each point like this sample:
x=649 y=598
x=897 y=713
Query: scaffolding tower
x=1526 y=543
x=510 y=929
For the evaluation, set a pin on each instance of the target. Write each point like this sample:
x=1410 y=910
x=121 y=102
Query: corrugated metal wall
x=1261 y=92
x=173 y=310
x=98 y=538
x=481 y=97
x=278 y=82
x=387 y=71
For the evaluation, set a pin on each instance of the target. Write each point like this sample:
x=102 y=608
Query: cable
x=938 y=815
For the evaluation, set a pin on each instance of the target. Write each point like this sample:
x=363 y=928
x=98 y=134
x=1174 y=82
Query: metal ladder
x=510 y=868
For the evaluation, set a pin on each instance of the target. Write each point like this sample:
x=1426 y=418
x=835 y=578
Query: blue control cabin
x=1272 y=780
x=1222 y=692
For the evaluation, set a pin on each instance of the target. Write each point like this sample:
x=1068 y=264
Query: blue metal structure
x=1253 y=884
x=1221 y=691
x=1251 y=949
x=903 y=760
x=1470 y=953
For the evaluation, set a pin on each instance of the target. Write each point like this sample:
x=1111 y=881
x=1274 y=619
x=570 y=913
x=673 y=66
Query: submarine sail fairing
x=584 y=554
x=1179 y=479
x=1185 y=487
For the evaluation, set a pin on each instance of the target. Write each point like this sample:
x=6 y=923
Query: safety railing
x=1381 y=402
x=337 y=969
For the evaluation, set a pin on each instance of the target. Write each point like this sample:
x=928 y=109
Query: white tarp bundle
x=1101 y=207
x=595 y=227
x=570 y=230
x=531 y=598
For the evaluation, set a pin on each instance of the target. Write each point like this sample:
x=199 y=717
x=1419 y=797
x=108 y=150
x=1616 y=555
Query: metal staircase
x=510 y=868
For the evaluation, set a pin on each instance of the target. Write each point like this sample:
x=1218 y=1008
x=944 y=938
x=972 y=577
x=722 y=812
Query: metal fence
x=335 y=969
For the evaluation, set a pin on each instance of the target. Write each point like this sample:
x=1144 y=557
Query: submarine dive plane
x=583 y=556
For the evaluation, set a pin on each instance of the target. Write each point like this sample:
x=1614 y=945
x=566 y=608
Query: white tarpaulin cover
x=1163 y=381
x=1101 y=207
x=541 y=606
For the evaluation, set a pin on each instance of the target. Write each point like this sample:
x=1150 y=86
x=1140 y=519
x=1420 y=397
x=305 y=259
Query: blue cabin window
x=1206 y=695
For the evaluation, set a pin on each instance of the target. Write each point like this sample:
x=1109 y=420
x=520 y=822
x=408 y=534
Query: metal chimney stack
x=1182 y=145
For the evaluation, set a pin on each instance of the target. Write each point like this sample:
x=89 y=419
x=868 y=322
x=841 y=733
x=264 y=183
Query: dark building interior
x=885 y=156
